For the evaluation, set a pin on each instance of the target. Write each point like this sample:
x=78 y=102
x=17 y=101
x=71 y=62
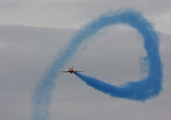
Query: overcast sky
x=33 y=31
x=75 y=13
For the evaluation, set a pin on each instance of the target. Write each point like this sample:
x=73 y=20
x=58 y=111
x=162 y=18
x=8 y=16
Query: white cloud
x=32 y=49
x=25 y=52
x=163 y=23
x=74 y=13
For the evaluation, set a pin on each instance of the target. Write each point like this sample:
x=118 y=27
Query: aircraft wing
x=64 y=71
x=78 y=71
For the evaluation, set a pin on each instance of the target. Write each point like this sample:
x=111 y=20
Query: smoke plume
x=141 y=90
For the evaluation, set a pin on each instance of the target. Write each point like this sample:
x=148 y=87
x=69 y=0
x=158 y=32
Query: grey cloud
x=93 y=8
x=72 y=14
x=27 y=53
x=5 y=5
x=78 y=13
x=112 y=56
x=24 y=45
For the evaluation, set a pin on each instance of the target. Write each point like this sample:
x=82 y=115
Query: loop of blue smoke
x=141 y=90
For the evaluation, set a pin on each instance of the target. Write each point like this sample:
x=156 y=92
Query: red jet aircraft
x=71 y=70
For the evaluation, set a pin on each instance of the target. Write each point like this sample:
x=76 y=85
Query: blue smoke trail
x=141 y=90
